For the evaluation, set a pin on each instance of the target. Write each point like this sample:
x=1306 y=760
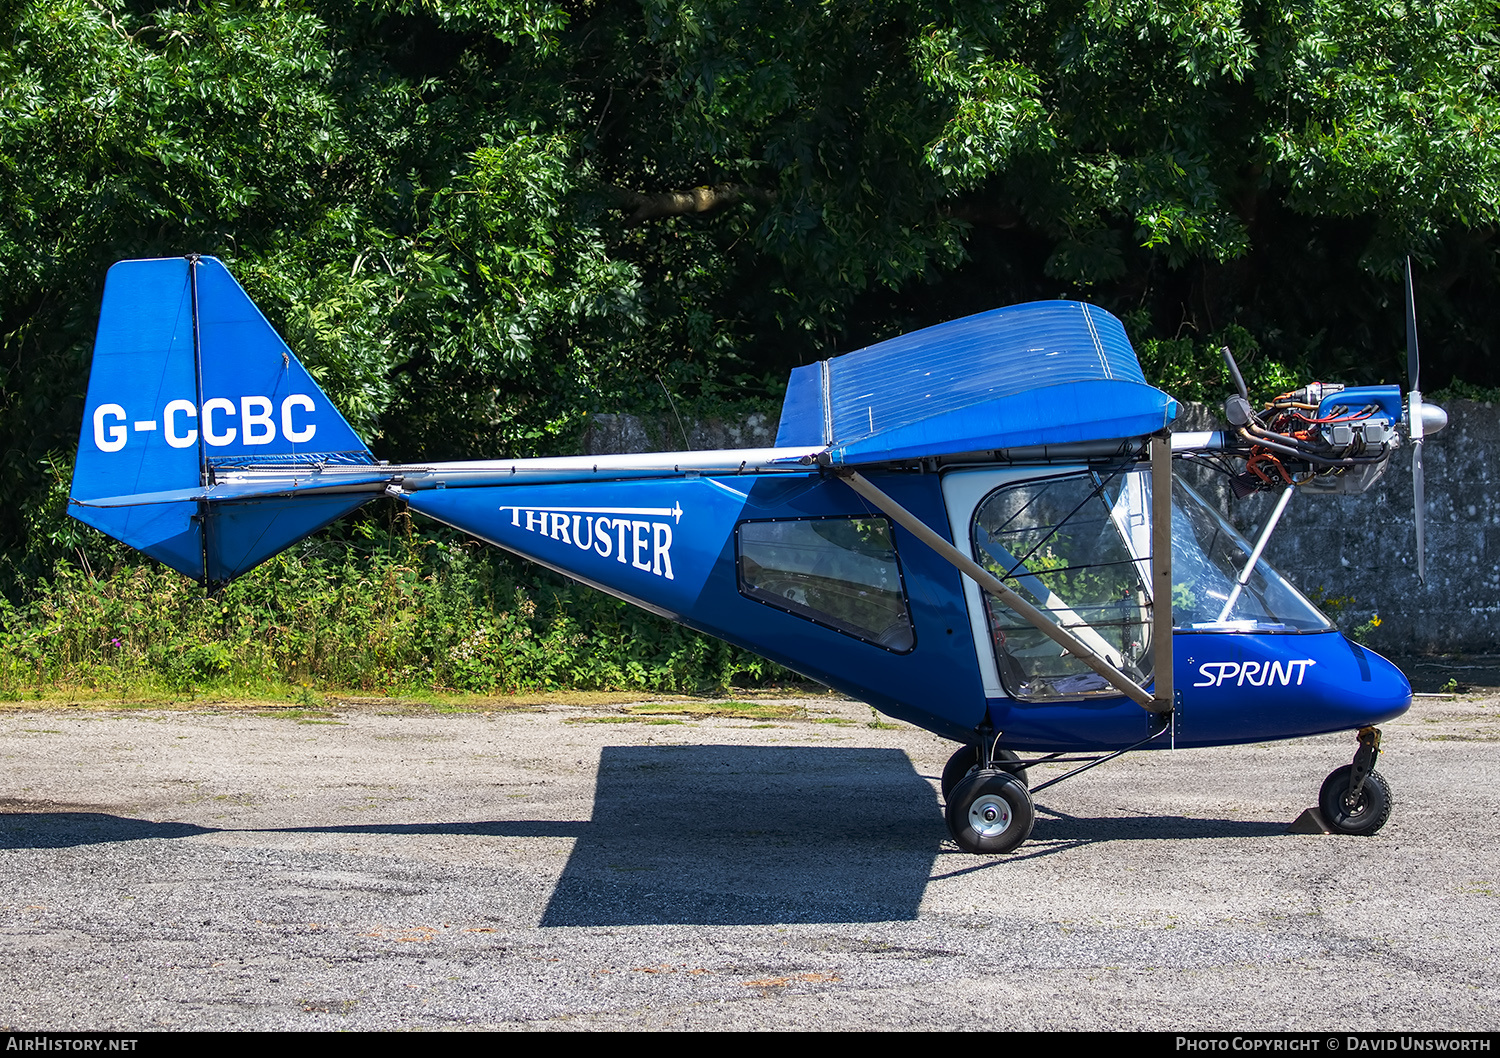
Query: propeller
x=1331 y=438
x=1421 y=420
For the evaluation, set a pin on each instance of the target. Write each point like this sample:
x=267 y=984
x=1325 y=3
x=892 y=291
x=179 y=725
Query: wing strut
x=1260 y=546
x=1161 y=560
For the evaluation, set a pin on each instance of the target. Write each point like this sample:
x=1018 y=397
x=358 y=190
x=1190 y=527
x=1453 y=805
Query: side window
x=837 y=572
x=1061 y=543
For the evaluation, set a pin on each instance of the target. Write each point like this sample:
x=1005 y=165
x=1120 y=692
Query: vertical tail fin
x=188 y=376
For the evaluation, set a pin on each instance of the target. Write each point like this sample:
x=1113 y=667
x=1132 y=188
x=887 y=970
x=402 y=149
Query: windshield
x=1208 y=555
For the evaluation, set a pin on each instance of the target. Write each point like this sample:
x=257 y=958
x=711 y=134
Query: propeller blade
x=1414 y=425
x=1419 y=508
x=1413 y=364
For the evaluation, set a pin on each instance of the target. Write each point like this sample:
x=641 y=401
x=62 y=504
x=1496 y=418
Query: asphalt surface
x=380 y=868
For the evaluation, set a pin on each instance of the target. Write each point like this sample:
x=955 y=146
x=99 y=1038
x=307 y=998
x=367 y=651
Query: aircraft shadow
x=63 y=830
x=747 y=835
x=721 y=835
x=722 y=802
x=60 y=830
x=718 y=835
x=55 y=830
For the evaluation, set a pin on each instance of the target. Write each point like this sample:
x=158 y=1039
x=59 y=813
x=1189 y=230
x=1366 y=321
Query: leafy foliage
x=440 y=203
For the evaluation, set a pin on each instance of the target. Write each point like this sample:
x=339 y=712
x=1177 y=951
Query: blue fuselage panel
x=669 y=545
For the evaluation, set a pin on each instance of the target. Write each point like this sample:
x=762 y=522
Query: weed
x=619 y=720
x=1345 y=612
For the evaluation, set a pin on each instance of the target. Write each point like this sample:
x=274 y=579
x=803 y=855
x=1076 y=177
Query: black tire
x=990 y=812
x=965 y=759
x=1362 y=815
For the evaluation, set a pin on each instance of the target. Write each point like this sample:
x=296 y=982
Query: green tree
x=479 y=220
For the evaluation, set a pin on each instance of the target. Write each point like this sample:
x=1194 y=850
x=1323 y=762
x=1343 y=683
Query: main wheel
x=990 y=812
x=1364 y=814
x=966 y=759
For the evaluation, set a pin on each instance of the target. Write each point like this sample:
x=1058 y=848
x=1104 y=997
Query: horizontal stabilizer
x=223 y=492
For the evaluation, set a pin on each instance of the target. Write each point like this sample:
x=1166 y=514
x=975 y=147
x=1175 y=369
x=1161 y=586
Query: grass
x=294 y=702
x=724 y=709
x=619 y=720
x=299 y=704
x=519 y=701
x=610 y=707
x=668 y=712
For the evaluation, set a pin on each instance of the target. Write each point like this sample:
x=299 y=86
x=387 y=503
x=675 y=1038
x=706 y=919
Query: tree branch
x=703 y=199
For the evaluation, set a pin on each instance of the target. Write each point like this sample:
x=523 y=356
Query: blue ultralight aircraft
x=966 y=527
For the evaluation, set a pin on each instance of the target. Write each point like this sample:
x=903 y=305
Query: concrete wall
x=1354 y=548
x=608 y=434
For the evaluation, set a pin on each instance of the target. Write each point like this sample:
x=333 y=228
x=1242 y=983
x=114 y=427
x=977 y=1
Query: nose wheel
x=1355 y=813
x=1356 y=799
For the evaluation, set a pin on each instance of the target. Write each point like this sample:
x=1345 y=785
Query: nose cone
x=1434 y=419
x=1366 y=687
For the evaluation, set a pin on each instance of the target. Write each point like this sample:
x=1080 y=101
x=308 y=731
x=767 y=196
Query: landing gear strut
x=1356 y=799
x=966 y=760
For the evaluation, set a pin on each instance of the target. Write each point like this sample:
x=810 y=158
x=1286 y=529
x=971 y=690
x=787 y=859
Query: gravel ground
x=384 y=867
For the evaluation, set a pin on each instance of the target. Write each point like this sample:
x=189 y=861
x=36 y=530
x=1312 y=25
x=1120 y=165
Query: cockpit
x=1076 y=544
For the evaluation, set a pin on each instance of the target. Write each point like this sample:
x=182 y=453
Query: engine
x=1324 y=437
